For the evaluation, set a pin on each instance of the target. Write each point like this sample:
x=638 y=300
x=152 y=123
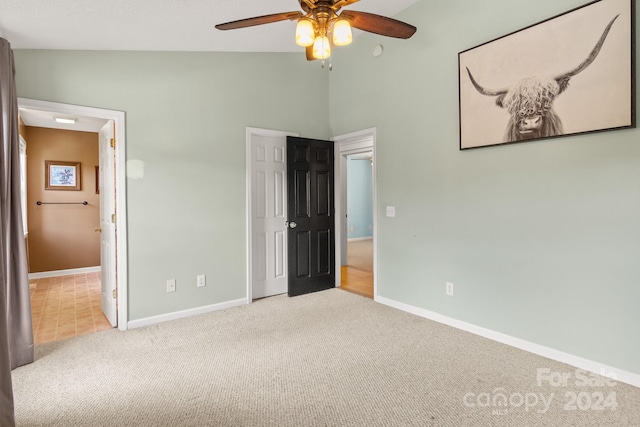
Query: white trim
x=354 y=143
x=359 y=239
x=122 y=272
x=185 y=313
x=250 y=132
x=540 y=350
x=58 y=273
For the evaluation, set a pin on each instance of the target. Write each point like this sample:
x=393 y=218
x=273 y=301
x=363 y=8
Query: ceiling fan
x=321 y=19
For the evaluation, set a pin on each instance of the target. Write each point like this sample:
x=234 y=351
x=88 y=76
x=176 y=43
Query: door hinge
x=113 y=218
x=115 y=294
x=112 y=142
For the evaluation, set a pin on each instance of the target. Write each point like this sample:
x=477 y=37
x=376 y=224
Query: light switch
x=391 y=211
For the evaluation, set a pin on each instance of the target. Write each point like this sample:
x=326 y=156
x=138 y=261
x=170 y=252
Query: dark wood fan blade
x=309 y=52
x=259 y=20
x=378 y=24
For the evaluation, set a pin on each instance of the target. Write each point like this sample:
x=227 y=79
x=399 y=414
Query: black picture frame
x=578 y=66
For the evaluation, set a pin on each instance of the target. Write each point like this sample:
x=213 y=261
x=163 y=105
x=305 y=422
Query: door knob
x=293 y=224
x=98 y=230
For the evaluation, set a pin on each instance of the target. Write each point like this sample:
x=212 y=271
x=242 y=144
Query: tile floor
x=66 y=306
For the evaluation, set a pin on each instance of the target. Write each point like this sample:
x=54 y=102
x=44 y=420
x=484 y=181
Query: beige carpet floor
x=360 y=254
x=325 y=359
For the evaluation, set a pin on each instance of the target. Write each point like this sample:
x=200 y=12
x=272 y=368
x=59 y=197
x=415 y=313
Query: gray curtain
x=16 y=334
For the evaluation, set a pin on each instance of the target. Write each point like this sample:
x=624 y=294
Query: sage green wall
x=541 y=239
x=186 y=115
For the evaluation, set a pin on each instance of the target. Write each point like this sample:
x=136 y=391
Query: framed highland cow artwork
x=571 y=74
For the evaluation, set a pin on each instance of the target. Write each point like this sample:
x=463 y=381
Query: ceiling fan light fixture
x=342 y=33
x=321 y=47
x=323 y=22
x=304 y=33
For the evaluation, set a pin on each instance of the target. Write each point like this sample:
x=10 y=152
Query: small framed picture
x=62 y=175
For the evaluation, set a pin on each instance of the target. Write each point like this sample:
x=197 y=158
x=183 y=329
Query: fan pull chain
x=330 y=64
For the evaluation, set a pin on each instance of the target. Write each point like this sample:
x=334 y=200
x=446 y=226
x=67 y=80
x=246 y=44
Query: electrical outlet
x=449 y=289
x=171 y=285
x=201 y=281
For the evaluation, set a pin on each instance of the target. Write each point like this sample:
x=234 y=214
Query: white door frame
x=353 y=143
x=121 y=274
x=250 y=133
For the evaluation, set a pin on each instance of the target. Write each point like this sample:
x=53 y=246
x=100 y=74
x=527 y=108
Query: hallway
x=66 y=306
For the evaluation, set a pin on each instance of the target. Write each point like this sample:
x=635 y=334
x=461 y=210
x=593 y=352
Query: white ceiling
x=157 y=25
x=151 y=25
x=45 y=119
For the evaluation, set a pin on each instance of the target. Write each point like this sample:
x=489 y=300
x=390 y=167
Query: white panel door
x=108 y=233
x=269 y=198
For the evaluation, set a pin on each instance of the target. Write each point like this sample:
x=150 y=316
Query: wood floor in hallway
x=357 y=280
x=357 y=276
x=66 y=306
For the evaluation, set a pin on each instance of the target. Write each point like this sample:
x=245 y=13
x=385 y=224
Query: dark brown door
x=311 y=242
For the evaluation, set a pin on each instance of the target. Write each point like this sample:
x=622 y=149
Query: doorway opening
x=266 y=208
x=107 y=182
x=355 y=212
x=357 y=272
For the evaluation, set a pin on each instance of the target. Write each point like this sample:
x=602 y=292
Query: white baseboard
x=132 y=324
x=550 y=353
x=58 y=273
x=359 y=239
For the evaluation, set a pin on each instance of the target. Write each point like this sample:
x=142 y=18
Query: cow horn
x=483 y=90
x=563 y=79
